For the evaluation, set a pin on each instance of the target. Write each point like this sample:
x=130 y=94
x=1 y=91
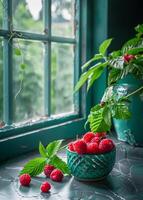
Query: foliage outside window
x=38 y=58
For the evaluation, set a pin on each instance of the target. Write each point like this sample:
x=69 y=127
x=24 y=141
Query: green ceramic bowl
x=90 y=167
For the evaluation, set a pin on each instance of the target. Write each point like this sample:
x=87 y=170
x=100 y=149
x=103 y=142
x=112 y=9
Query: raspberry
x=70 y=146
x=96 y=139
x=80 y=146
x=92 y=148
x=25 y=179
x=48 y=169
x=127 y=58
x=106 y=145
x=101 y=134
x=45 y=187
x=56 y=175
x=88 y=137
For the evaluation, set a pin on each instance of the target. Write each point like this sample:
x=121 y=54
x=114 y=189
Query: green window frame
x=26 y=138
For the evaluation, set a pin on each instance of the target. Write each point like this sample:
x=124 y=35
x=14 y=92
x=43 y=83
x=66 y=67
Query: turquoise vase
x=130 y=131
x=90 y=167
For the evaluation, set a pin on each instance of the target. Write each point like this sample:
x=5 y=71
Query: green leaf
x=114 y=76
x=97 y=121
x=34 y=167
x=117 y=63
x=135 y=50
x=108 y=93
x=42 y=150
x=53 y=147
x=139 y=28
x=135 y=69
x=22 y=66
x=133 y=46
x=121 y=111
x=83 y=79
x=129 y=45
x=17 y=52
x=107 y=115
x=96 y=57
x=103 y=47
x=95 y=75
x=87 y=74
x=115 y=54
x=60 y=164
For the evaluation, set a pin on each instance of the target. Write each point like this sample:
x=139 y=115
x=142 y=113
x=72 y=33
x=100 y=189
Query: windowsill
x=124 y=182
x=22 y=143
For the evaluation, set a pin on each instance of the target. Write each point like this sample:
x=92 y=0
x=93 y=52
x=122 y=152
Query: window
x=39 y=64
x=42 y=46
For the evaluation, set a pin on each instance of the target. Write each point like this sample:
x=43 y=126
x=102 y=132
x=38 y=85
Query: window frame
x=26 y=138
x=47 y=39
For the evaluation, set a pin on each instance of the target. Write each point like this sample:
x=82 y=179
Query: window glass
x=62 y=78
x=28 y=15
x=63 y=17
x=28 y=81
x=41 y=68
x=1 y=80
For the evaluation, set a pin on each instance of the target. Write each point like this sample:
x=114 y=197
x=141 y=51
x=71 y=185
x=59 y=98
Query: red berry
x=131 y=57
x=45 y=187
x=127 y=57
x=48 y=169
x=80 y=146
x=96 y=139
x=101 y=134
x=56 y=175
x=106 y=145
x=92 y=148
x=25 y=179
x=70 y=146
x=88 y=137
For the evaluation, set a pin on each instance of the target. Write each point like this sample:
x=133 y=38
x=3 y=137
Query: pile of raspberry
x=92 y=143
x=50 y=172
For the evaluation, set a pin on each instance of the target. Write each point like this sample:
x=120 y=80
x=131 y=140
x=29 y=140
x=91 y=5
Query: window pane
x=27 y=15
x=28 y=83
x=1 y=81
x=63 y=17
x=62 y=78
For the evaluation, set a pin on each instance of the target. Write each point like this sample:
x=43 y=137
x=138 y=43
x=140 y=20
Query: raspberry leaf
x=53 y=147
x=107 y=115
x=121 y=111
x=60 y=164
x=42 y=150
x=97 y=121
x=34 y=167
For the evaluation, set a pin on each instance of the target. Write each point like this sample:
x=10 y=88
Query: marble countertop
x=125 y=182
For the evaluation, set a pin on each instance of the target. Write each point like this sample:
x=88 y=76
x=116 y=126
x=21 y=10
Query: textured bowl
x=90 y=167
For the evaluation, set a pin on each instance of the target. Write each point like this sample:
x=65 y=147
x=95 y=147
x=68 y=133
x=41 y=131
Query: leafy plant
x=127 y=60
x=48 y=156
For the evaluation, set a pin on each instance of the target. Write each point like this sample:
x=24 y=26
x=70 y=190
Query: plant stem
x=134 y=92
